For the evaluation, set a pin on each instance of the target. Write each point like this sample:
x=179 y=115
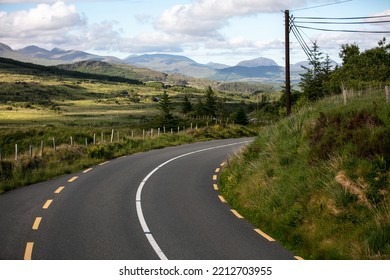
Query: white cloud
x=206 y=17
x=42 y=20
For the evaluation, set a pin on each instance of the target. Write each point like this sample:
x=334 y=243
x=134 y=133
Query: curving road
x=161 y=204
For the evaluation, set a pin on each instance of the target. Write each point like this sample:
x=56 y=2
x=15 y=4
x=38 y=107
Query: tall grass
x=322 y=193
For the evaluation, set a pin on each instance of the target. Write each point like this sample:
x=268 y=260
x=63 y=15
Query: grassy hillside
x=319 y=181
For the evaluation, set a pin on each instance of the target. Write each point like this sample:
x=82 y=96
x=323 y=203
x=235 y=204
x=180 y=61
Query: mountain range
x=259 y=69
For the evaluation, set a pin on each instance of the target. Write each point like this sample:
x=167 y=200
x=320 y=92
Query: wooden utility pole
x=287 y=60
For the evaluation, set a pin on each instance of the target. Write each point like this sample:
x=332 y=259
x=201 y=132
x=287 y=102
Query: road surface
x=162 y=204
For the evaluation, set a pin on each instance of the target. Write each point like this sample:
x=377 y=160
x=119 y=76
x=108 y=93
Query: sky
x=220 y=31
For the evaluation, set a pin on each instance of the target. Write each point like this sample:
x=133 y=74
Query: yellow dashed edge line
x=236 y=214
x=215 y=177
x=263 y=234
x=215 y=186
x=87 y=170
x=28 y=251
x=103 y=163
x=217 y=170
x=222 y=199
x=74 y=178
x=36 y=223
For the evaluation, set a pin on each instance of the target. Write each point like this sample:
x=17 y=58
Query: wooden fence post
x=41 y=153
x=16 y=152
x=344 y=94
x=94 y=138
x=112 y=135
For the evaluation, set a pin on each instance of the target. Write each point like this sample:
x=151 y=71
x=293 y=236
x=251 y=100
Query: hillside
x=319 y=181
x=17 y=67
x=259 y=69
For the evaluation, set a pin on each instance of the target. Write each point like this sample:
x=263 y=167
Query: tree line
x=210 y=105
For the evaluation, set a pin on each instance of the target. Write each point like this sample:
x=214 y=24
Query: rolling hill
x=154 y=67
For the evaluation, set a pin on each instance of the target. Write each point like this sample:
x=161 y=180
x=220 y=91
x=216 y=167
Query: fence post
x=151 y=132
x=94 y=138
x=132 y=134
x=102 y=136
x=387 y=91
x=112 y=135
x=41 y=153
x=54 y=144
x=86 y=142
x=158 y=132
x=71 y=141
x=16 y=152
x=30 y=150
x=344 y=94
x=143 y=134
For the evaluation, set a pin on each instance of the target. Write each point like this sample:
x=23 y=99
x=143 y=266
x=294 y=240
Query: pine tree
x=165 y=106
x=211 y=102
x=186 y=106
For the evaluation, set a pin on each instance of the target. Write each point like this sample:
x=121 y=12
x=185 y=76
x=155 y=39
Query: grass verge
x=319 y=182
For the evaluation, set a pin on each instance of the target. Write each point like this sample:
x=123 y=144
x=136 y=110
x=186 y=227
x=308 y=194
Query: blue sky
x=223 y=31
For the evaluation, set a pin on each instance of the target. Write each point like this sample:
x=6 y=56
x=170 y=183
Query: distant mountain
x=65 y=55
x=4 y=48
x=213 y=65
x=7 y=52
x=171 y=64
x=298 y=66
x=156 y=66
x=261 y=61
x=259 y=73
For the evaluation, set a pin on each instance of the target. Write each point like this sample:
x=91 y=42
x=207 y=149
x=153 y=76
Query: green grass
x=319 y=182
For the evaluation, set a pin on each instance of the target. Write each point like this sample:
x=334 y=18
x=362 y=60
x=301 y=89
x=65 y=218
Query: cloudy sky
x=223 y=31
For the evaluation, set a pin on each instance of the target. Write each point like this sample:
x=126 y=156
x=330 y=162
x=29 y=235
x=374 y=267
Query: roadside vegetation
x=55 y=121
x=319 y=181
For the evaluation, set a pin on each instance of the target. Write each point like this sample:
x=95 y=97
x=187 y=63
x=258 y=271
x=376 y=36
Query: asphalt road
x=160 y=204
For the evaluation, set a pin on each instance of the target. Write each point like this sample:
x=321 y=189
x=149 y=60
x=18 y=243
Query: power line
x=345 y=18
x=355 y=22
x=323 y=5
x=345 y=30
